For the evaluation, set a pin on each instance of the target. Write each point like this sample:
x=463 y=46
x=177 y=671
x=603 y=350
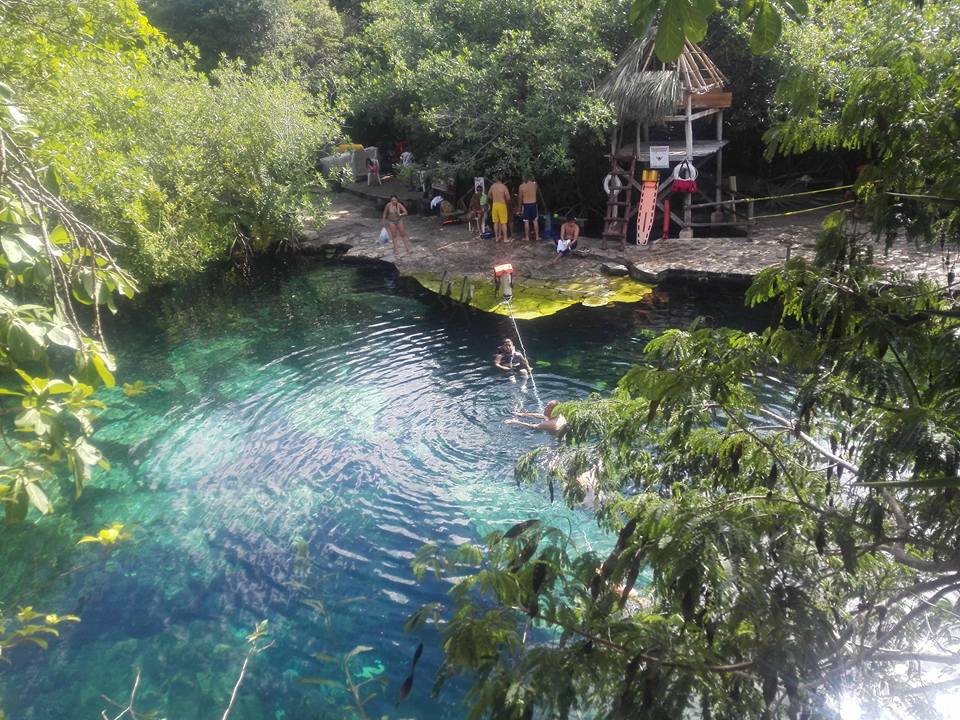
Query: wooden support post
x=717 y=215
x=687 y=231
x=749 y=218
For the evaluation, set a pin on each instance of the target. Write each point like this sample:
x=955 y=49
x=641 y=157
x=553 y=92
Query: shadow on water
x=301 y=436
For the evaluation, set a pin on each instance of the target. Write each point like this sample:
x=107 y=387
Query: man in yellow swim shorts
x=500 y=197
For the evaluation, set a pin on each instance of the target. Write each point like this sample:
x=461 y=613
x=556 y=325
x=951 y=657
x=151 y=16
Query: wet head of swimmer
x=508 y=344
x=550 y=407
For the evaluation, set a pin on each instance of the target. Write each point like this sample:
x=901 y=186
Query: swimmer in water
x=511 y=361
x=550 y=420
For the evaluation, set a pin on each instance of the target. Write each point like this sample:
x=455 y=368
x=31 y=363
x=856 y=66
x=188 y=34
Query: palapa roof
x=641 y=87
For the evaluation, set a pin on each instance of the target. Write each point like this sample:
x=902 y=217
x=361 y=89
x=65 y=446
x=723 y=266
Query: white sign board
x=659 y=156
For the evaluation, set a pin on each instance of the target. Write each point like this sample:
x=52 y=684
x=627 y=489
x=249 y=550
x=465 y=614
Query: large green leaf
x=87 y=453
x=641 y=15
x=796 y=9
x=670 y=33
x=767 y=28
x=63 y=335
x=12 y=249
x=746 y=9
x=59 y=236
x=38 y=498
x=22 y=341
x=16 y=510
x=103 y=371
x=30 y=241
x=705 y=8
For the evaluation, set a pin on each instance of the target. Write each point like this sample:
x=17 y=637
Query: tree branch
x=728 y=668
x=809 y=441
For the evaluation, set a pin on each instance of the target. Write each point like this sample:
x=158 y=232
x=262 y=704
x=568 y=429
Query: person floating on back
x=550 y=420
x=528 y=200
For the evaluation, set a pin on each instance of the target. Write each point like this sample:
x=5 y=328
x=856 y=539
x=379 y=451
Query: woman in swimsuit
x=392 y=220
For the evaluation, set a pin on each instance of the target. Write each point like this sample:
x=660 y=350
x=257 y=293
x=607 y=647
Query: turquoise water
x=300 y=439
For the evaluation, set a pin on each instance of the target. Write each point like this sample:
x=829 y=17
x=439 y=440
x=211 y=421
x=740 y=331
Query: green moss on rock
x=534 y=298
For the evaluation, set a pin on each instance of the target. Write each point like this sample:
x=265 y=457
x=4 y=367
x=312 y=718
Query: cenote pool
x=300 y=437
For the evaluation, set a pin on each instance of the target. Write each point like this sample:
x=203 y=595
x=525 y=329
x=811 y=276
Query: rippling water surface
x=298 y=442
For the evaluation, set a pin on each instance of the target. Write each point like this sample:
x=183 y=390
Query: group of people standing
x=498 y=198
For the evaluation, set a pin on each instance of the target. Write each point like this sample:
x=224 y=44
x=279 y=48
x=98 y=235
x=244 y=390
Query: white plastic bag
x=384 y=236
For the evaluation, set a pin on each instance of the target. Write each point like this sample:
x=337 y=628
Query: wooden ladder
x=616 y=222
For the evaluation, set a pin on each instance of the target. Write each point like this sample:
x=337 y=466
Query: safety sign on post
x=660 y=156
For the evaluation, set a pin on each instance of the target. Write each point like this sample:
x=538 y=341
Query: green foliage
x=352 y=685
x=108 y=536
x=880 y=80
x=752 y=79
x=493 y=87
x=28 y=626
x=680 y=21
x=51 y=263
x=307 y=33
x=237 y=29
x=181 y=168
x=310 y=36
x=772 y=553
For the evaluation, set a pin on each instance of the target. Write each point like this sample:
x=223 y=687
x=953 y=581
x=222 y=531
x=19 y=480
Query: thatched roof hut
x=646 y=92
x=644 y=89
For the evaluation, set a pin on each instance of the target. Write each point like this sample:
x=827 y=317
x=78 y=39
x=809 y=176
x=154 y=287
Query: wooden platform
x=678 y=149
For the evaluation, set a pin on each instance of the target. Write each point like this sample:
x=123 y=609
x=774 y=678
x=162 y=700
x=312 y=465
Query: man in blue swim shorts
x=528 y=199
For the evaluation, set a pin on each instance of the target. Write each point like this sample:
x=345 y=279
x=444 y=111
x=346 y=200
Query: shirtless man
x=509 y=360
x=500 y=212
x=569 y=234
x=548 y=420
x=528 y=200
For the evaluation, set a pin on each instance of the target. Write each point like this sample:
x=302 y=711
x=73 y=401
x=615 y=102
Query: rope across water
x=536 y=392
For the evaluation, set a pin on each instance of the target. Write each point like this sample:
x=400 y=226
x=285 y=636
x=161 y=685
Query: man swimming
x=549 y=420
x=509 y=360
